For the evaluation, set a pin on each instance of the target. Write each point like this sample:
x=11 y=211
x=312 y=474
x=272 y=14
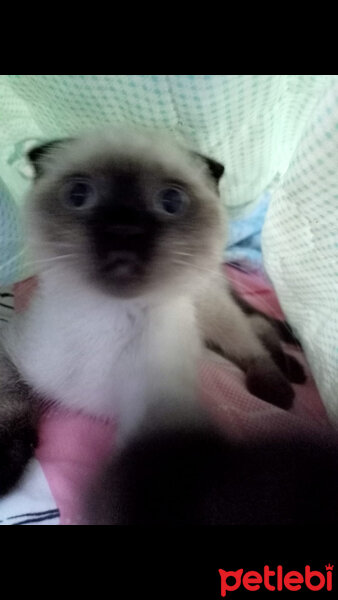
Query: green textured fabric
x=300 y=245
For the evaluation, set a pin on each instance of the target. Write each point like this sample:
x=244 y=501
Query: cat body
x=126 y=230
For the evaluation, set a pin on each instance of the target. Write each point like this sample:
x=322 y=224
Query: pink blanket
x=72 y=446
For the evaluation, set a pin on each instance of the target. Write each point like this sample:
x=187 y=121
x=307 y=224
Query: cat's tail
x=18 y=425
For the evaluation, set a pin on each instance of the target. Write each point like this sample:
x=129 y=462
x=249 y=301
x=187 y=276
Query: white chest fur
x=102 y=355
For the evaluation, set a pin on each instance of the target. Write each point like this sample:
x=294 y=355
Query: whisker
x=4 y=265
x=183 y=253
x=243 y=287
x=33 y=243
x=215 y=272
x=49 y=260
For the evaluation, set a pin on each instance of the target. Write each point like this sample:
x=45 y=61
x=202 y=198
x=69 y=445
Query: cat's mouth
x=122 y=271
x=123 y=265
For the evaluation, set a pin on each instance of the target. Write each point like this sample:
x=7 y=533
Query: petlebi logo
x=277 y=579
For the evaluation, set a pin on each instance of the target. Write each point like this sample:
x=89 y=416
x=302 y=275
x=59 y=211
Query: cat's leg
x=18 y=424
x=225 y=327
x=281 y=328
x=268 y=334
x=271 y=331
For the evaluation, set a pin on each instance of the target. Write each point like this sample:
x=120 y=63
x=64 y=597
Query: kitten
x=126 y=229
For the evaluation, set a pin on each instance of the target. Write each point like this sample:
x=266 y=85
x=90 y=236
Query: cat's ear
x=40 y=156
x=215 y=169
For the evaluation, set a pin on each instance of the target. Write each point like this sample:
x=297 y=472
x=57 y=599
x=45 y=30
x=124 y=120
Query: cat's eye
x=171 y=201
x=79 y=193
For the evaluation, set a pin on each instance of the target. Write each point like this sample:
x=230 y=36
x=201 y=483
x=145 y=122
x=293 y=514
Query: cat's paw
x=295 y=370
x=289 y=365
x=286 y=332
x=286 y=363
x=17 y=446
x=267 y=382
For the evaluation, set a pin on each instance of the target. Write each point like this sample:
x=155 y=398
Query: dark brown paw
x=289 y=365
x=285 y=332
x=295 y=371
x=266 y=381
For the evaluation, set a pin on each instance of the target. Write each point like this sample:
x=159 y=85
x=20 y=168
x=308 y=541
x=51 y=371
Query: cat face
x=131 y=211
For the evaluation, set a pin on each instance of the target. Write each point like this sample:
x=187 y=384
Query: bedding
x=300 y=246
